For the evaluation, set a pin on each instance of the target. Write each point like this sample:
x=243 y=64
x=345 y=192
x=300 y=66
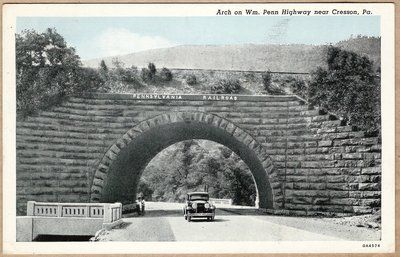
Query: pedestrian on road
x=142 y=205
x=139 y=206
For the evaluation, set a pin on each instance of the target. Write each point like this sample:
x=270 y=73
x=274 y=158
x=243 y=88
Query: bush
x=349 y=88
x=191 y=80
x=128 y=75
x=268 y=86
x=226 y=86
x=124 y=75
x=166 y=74
x=249 y=76
x=119 y=78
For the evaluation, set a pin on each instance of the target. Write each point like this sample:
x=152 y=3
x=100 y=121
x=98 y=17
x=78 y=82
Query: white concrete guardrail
x=68 y=219
x=220 y=201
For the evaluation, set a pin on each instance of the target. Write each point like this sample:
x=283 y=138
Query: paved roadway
x=165 y=222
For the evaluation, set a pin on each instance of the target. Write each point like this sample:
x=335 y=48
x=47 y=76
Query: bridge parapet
x=67 y=219
x=110 y=212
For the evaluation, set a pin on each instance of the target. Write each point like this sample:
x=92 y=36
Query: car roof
x=198 y=193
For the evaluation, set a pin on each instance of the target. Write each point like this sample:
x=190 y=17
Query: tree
x=349 y=87
x=90 y=80
x=103 y=66
x=266 y=79
x=152 y=68
x=145 y=189
x=195 y=165
x=47 y=71
x=166 y=74
x=187 y=156
x=149 y=74
x=299 y=87
x=103 y=70
x=145 y=74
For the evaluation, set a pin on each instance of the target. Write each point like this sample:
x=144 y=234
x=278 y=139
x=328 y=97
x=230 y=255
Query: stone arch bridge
x=93 y=149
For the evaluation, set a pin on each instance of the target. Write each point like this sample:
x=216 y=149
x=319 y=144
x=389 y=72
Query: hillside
x=278 y=58
x=368 y=46
x=292 y=58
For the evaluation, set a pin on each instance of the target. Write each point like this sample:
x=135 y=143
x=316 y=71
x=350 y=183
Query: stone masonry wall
x=324 y=167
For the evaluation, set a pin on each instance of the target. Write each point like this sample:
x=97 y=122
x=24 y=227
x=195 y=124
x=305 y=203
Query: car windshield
x=198 y=197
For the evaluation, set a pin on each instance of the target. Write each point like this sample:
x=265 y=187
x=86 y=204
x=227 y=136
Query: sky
x=95 y=37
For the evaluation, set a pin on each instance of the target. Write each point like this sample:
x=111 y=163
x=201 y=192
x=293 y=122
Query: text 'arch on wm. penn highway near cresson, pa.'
x=93 y=148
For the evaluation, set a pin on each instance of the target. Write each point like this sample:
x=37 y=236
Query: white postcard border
x=10 y=12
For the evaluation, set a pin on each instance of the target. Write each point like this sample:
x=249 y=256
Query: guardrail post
x=30 y=208
x=59 y=210
x=107 y=213
x=87 y=211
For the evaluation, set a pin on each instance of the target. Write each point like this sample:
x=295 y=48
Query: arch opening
x=197 y=165
x=119 y=173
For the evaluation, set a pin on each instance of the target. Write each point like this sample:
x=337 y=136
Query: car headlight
x=194 y=205
x=207 y=206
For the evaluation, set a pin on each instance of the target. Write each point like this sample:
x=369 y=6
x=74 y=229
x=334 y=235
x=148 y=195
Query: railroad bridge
x=94 y=148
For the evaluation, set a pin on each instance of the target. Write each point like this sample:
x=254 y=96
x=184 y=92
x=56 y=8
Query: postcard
x=198 y=128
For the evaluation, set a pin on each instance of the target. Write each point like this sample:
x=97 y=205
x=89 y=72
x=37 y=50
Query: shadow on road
x=156 y=213
x=61 y=238
x=205 y=220
x=237 y=211
x=178 y=213
x=123 y=225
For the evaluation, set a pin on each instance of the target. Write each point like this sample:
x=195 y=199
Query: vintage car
x=198 y=206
